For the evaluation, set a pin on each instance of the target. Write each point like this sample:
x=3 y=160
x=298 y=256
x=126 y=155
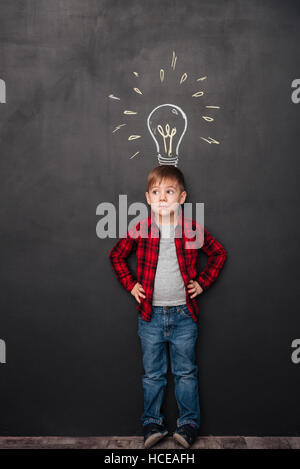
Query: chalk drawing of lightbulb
x=167 y=125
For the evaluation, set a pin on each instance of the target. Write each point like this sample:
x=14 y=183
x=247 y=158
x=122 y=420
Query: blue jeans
x=175 y=325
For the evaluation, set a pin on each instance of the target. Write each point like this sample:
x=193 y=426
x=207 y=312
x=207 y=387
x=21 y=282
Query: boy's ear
x=147 y=197
x=182 y=197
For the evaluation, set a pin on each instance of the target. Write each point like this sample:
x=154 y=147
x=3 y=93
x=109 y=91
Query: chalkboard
x=72 y=363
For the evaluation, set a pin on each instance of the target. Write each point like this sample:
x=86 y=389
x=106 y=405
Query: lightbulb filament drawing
x=165 y=135
x=167 y=125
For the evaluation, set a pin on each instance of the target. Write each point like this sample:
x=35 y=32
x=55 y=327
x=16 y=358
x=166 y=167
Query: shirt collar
x=153 y=227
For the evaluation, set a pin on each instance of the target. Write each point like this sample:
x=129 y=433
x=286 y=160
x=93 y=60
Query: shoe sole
x=155 y=438
x=181 y=440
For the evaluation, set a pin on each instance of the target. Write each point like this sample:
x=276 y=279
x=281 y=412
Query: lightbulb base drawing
x=167 y=125
x=173 y=161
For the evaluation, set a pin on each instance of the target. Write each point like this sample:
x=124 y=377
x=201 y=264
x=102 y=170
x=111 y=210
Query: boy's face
x=165 y=197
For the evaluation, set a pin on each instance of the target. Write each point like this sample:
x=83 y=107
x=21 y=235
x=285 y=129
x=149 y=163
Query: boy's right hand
x=138 y=291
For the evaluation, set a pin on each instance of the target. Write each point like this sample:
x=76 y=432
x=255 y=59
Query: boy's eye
x=155 y=191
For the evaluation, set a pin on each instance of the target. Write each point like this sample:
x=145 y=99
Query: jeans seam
x=158 y=408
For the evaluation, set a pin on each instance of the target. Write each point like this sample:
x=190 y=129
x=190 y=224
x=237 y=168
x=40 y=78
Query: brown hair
x=165 y=172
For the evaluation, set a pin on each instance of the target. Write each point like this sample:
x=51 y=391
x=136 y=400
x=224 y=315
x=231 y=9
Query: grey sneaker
x=185 y=435
x=153 y=433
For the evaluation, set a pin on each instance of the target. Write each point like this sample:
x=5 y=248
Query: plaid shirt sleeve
x=216 y=258
x=118 y=255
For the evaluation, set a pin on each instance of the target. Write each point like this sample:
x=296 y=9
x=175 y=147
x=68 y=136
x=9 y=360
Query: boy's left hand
x=194 y=288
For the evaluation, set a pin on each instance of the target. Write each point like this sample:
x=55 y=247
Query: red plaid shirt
x=147 y=249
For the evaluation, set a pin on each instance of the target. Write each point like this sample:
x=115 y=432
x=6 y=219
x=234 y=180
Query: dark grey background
x=73 y=355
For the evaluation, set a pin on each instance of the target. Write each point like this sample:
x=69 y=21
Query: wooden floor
x=136 y=442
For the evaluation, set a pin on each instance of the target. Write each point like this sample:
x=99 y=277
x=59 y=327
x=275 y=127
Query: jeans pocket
x=184 y=311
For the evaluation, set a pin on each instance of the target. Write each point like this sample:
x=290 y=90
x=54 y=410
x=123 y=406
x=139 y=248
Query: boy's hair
x=165 y=172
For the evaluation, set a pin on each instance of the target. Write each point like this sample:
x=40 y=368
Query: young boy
x=166 y=286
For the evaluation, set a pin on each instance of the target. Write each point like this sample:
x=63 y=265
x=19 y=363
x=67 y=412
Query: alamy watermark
x=2 y=91
x=295 y=96
x=2 y=101
x=107 y=226
x=2 y=351
x=295 y=357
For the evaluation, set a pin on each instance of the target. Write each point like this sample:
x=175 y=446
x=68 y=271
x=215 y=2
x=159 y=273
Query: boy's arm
x=122 y=249
x=216 y=258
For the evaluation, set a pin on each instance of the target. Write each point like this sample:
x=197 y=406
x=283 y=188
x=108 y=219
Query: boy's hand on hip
x=138 y=292
x=194 y=288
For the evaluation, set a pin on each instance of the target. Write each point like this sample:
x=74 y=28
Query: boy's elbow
x=111 y=254
x=224 y=254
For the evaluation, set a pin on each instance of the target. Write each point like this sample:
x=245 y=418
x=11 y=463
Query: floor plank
x=136 y=442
